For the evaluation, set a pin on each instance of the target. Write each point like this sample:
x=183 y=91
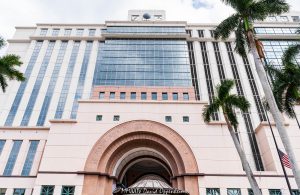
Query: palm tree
x=7 y=68
x=241 y=23
x=286 y=81
x=228 y=102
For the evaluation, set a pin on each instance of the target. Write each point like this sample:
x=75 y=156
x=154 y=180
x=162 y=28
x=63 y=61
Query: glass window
x=168 y=118
x=79 y=32
x=233 y=191
x=284 y=18
x=164 y=96
x=92 y=32
x=47 y=190
x=133 y=95
x=186 y=119
x=212 y=33
x=143 y=95
x=295 y=192
x=296 y=18
x=68 y=32
x=30 y=157
x=186 y=96
x=2 y=191
x=101 y=95
x=250 y=191
x=189 y=32
x=55 y=32
x=154 y=96
x=272 y=18
x=112 y=95
x=158 y=17
x=43 y=31
x=19 y=191
x=175 y=96
x=116 y=117
x=12 y=157
x=68 y=190
x=135 y=17
x=98 y=117
x=212 y=191
x=274 y=191
x=201 y=33
x=123 y=95
x=2 y=143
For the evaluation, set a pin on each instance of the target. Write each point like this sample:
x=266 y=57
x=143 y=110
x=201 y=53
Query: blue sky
x=28 y=12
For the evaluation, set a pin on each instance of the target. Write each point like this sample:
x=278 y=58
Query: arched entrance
x=130 y=149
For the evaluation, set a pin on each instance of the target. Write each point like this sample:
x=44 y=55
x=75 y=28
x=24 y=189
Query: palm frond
x=209 y=110
x=290 y=54
x=2 y=42
x=227 y=26
x=238 y=5
x=275 y=7
x=224 y=88
x=240 y=40
x=232 y=117
x=272 y=70
x=3 y=83
x=239 y=102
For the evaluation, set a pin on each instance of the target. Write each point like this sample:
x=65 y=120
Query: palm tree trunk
x=273 y=107
x=243 y=158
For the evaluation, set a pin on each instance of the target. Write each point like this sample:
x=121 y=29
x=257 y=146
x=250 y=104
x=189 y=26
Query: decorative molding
x=25 y=128
x=67 y=38
x=63 y=121
x=142 y=102
x=18 y=40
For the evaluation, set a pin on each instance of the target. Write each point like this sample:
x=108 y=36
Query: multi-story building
x=107 y=105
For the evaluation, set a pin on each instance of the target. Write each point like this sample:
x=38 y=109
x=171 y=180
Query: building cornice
x=141 y=102
x=70 y=24
x=18 y=40
x=35 y=128
x=282 y=37
x=67 y=38
x=70 y=121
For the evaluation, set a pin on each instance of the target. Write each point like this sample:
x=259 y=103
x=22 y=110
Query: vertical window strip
x=81 y=81
x=67 y=81
x=254 y=90
x=209 y=82
x=219 y=61
x=12 y=158
x=2 y=143
x=14 y=108
x=246 y=115
x=193 y=69
x=52 y=84
x=30 y=158
x=98 y=62
x=37 y=84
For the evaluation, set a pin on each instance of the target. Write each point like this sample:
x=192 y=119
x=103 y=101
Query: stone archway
x=102 y=162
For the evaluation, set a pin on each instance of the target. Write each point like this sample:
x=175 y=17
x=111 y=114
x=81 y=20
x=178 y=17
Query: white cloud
x=25 y=13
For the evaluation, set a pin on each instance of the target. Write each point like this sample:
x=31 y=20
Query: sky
x=29 y=12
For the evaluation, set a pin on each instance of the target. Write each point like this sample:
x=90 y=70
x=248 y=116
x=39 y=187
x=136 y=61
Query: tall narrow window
x=2 y=143
x=189 y=32
x=68 y=32
x=43 y=31
x=143 y=96
x=208 y=76
x=123 y=95
x=13 y=110
x=101 y=95
x=186 y=96
x=112 y=95
x=67 y=81
x=12 y=157
x=81 y=79
x=2 y=191
x=153 y=96
x=30 y=158
x=79 y=32
x=193 y=69
x=164 y=96
x=201 y=33
x=19 y=191
x=68 y=190
x=92 y=32
x=246 y=115
x=37 y=85
x=212 y=191
x=52 y=83
x=212 y=33
x=47 y=190
x=219 y=61
x=133 y=95
x=175 y=96
x=55 y=32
